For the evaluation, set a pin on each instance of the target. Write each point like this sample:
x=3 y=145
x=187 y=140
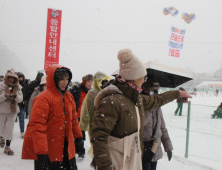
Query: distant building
x=218 y=73
x=211 y=84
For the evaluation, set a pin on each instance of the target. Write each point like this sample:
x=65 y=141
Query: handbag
x=126 y=152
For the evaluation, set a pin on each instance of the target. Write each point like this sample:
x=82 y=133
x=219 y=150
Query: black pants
x=150 y=166
x=66 y=164
x=79 y=144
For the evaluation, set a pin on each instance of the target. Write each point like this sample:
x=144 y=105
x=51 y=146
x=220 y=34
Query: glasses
x=145 y=78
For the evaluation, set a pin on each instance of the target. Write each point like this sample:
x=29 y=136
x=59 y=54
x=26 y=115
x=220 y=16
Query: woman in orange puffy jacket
x=53 y=126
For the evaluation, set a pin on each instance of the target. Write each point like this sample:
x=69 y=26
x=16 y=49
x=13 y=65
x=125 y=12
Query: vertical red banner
x=53 y=31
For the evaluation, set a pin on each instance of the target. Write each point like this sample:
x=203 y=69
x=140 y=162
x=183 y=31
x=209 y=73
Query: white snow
x=205 y=140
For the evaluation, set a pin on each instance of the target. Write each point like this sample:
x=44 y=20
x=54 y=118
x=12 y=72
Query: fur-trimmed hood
x=110 y=90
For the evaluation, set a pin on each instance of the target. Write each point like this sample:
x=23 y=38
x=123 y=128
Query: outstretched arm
x=153 y=102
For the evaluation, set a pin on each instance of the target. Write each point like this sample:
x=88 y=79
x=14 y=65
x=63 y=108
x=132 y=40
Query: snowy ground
x=205 y=140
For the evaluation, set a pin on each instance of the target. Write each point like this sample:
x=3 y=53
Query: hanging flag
x=188 y=18
x=171 y=10
x=176 y=42
x=52 y=37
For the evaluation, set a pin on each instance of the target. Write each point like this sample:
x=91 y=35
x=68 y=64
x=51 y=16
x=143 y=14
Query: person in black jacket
x=32 y=85
x=23 y=105
x=79 y=93
x=179 y=104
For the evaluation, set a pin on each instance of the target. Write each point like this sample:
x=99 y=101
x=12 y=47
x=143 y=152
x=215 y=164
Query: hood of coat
x=98 y=78
x=12 y=73
x=50 y=72
x=110 y=90
x=20 y=74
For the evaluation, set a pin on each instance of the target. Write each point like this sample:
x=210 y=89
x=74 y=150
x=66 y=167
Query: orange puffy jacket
x=52 y=119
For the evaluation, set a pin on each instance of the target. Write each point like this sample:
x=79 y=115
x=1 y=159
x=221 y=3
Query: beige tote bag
x=126 y=152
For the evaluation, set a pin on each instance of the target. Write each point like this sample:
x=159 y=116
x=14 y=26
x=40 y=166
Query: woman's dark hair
x=182 y=89
x=41 y=87
x=146 y=86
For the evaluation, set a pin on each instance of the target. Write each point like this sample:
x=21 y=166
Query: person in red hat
x=79 y=94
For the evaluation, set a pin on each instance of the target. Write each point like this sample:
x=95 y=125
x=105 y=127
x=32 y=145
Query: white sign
x=176 y=42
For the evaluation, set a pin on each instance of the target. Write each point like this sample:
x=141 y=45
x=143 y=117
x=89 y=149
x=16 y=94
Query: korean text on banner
x=52 y=37
x=176 y=42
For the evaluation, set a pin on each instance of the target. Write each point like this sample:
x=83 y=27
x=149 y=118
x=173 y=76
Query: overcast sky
x=93 y=31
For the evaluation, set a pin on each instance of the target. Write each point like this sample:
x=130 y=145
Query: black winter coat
x=76 y=92
x=25 y=94
x=31 y=88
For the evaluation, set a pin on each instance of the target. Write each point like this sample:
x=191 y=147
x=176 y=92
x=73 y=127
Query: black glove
x=169 y=155
x=42 y=162
x=147 y=154
x=150 y=156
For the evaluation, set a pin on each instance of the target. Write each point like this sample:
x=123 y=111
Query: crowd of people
x=123 y=117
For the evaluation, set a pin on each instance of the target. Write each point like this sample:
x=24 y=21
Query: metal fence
x=203 y=139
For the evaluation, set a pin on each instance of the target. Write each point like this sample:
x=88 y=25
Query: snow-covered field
x=205 y=149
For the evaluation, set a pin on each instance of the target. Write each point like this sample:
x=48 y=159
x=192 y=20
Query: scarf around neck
x=131 y=85
x=11 y=88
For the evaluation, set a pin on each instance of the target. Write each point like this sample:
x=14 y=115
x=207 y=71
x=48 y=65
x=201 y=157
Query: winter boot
x=8 y=151
x=22 y=135
x=81 y=155
x=2 y=142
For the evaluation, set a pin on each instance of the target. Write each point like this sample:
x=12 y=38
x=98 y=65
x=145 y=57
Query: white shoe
x=22 y=135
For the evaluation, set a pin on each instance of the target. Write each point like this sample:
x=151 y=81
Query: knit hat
x=87 y=77
x=131 y=68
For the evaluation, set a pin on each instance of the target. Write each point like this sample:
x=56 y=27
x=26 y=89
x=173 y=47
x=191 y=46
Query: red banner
x=52 y=37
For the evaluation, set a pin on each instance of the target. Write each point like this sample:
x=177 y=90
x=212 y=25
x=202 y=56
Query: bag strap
x=138 y=118
x=155 y=128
